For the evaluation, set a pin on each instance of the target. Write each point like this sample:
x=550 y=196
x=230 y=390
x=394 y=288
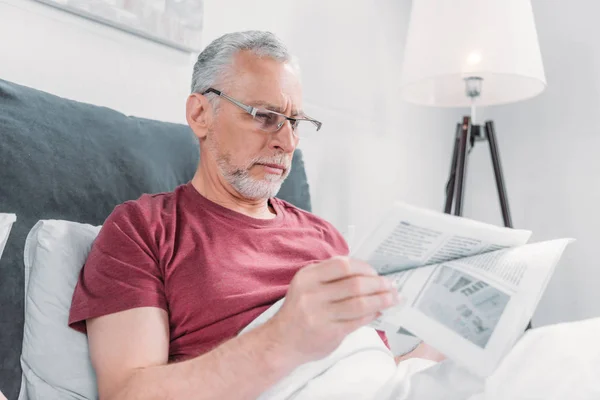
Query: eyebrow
x=273 y=107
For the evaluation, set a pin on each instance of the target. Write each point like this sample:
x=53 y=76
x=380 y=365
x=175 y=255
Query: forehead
x=265 y=79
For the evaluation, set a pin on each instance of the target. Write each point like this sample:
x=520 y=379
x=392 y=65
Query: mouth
x=273 y=168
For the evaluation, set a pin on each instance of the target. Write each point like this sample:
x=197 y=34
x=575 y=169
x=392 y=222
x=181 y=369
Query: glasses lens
x=271 y=122
x=268 y=122
x=305 y=128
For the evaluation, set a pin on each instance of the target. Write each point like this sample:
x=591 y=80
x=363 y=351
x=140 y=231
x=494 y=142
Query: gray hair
x=215 y=60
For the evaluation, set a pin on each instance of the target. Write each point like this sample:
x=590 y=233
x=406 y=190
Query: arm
x=324 y=303
x=129 y=351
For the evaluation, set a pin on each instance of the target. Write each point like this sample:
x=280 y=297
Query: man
x=172 y=278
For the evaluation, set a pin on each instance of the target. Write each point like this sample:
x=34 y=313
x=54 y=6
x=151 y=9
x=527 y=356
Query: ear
x=198 y=112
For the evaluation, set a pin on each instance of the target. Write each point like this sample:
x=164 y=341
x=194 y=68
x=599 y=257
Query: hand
x=327 y=301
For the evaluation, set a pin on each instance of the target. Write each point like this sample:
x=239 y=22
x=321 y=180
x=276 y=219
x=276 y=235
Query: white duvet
x=554 y=362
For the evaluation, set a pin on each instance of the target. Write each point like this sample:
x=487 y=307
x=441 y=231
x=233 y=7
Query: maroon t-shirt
x=212 y=269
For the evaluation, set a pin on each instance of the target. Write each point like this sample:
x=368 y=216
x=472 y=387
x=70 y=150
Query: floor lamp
x=472 y=53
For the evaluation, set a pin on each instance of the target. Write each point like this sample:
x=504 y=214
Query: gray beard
x=249 y=187
x=239 y=177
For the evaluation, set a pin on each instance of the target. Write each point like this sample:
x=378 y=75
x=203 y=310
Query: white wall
x=549 y=149
x=75 y=58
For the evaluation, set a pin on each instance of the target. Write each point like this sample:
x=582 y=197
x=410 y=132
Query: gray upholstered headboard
x=61 y=159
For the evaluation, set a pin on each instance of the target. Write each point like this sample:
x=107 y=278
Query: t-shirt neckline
x=206 y=204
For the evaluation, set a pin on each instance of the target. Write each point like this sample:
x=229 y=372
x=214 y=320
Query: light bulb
x=474 y=58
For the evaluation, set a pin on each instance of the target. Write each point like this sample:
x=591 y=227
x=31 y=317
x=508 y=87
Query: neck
x=210 y=184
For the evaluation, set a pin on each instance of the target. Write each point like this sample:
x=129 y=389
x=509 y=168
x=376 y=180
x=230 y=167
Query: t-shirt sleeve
x=122 y=270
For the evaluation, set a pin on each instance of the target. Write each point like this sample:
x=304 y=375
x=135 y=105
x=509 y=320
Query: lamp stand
x=467 y=133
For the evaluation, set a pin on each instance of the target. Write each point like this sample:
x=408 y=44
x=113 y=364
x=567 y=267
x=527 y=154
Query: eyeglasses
x=271 y=121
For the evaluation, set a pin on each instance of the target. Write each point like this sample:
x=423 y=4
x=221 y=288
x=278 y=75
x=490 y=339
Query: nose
x=284 y=139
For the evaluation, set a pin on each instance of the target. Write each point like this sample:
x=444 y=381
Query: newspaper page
x=410 y=237
x=470 y=288
x=474 y=309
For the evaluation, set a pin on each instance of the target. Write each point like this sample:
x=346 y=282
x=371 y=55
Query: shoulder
x=147 y=208
x=140 y=220
x=300 y=217
x=291 y=210
x=148 y=204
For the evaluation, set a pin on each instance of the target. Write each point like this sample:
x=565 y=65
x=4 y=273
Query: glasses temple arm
x=249 y=109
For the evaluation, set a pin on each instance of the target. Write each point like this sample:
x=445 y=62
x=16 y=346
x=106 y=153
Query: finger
x=355 y=286
x=354 y=324
x=341 y=267
x=360 y=307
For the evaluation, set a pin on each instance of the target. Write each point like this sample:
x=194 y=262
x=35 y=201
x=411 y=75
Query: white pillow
x=55 y=358
x=6 y=221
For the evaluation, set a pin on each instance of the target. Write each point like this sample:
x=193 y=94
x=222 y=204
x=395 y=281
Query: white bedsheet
x=357 y=369
x=554 y=362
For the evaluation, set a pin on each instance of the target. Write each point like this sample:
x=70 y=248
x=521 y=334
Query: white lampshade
x=449 y=40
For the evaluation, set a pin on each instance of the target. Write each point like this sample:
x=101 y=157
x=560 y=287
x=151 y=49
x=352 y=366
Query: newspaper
x=470 y=288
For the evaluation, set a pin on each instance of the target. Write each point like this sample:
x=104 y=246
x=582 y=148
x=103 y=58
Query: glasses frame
x=253 y=110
